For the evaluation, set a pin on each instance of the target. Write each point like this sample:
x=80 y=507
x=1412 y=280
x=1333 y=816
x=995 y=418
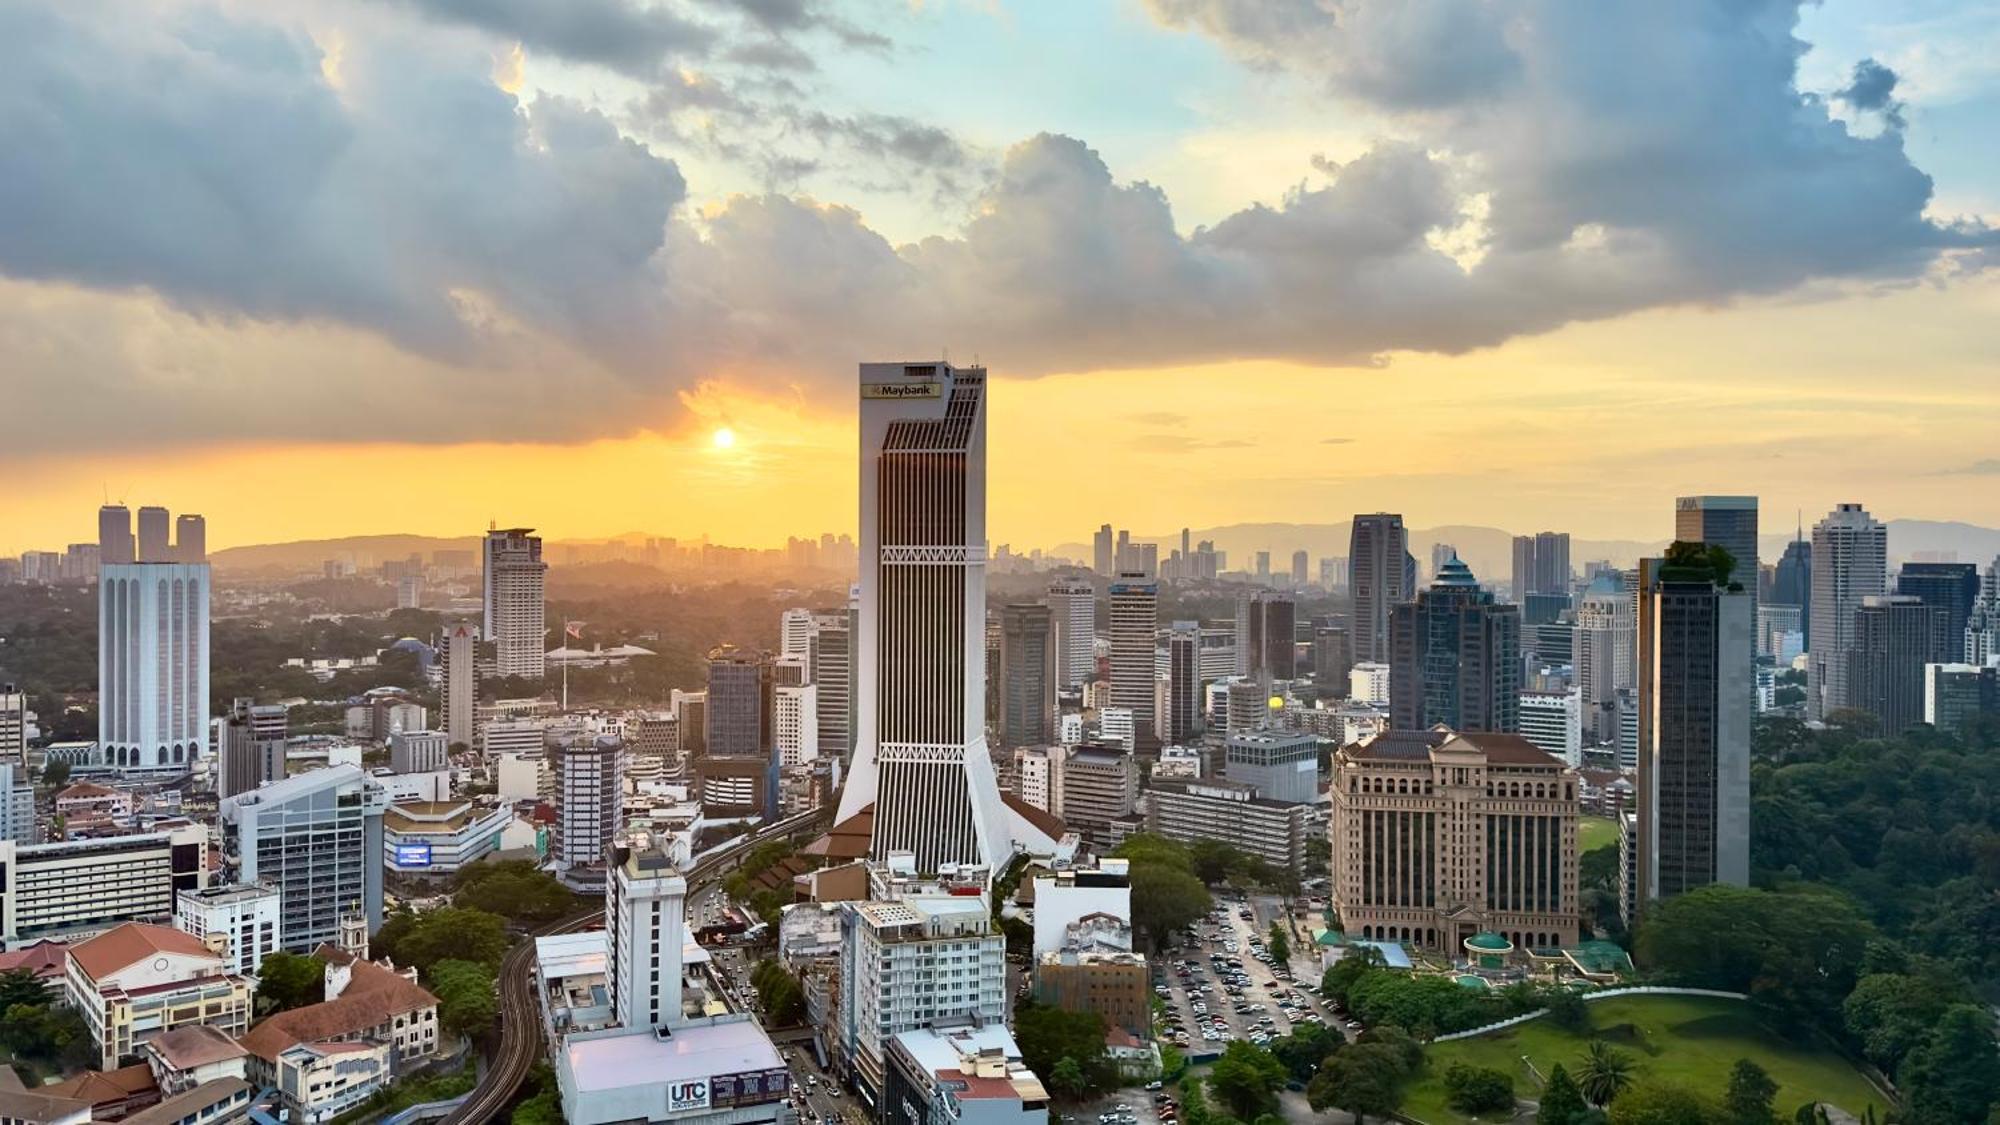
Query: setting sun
x=725 y=438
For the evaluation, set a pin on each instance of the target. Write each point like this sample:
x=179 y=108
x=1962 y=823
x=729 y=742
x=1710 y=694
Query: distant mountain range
x=1489 y=551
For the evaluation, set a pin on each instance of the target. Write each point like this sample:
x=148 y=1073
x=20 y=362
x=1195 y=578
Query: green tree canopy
x=1048 y=1035
x=288 y=981
x=1750 y=1094
x=466 y=999
x=514 y=889
x=1246 y=1078
x=1478 y=1089
x=423 y=939
x=1561 y=1101
x=1604 y=1073
x=1661 y=1103
x=1796 y=952
x=1954 y=1074
x=1364 y=1079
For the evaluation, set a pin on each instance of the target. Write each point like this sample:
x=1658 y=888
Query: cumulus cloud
x=1563 y=160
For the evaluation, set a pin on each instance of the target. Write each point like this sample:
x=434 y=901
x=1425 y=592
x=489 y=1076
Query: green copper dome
x=1489 y=941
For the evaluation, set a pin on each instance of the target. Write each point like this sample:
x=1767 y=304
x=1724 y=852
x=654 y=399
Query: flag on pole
x=574 y=630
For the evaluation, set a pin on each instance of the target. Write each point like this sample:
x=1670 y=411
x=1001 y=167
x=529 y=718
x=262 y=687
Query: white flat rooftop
x=568 y=955
x=640 y=1059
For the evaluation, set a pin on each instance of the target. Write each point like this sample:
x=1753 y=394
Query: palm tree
x=1604 y=1073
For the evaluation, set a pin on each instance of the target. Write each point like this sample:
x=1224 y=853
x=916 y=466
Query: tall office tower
x=1186 y=540
x=1455 y=658
x=1695 y=697
x=920 y=746
x=115 y=546
x=1377 y=575
x=1102 y=557
x=317 y=838
x=1439 y=838
x=795 y=724
x=795 y=632
x=1957 y=695
x=830 y=658
x=1728 y=522
x=253 y=748
x=645 y=912
x=1299 y=561
x=1603 y=654
x=1791 y=581
x=512 y=588
x=1850 y=561
x=152 y=663
x=1333 y=658
x=589 y=776
x=1027 y=675
x=1950 y=588
x=1281 y=765
x=1895 y=635
x=13 y=724
x=1135 y=618
x=1073 y=609
x=1266 y=623
x=1263 y=566
x=1184 y=683
x=190 y=539
x=458 y=682
x=739 y=703
x=1441 y=553
x=155 y=531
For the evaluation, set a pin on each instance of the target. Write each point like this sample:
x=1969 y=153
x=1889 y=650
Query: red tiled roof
x=373 y=996
x=44 y=958
x=98 y=1086
x=131 y=943
x=196 y=1044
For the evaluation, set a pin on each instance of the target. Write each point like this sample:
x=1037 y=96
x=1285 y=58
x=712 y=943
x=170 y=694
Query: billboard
x=413 y=855
x=689 y=1096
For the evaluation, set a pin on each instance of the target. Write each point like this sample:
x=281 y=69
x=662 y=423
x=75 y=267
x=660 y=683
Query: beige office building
x=1438 y=836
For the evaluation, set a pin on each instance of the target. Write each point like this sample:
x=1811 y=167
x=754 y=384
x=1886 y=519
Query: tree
x=1362 y=1079
x=1954 y=1075
x=422 y=940
x=1605 y=1072
x=55 y=774
x=288 y=981
x=1068 y=1078
x=1566 y=1010
x=1478 y=1089
x=1427 y=1006
x=1660 y=1103
x=1888 y=1013
x=467 y=1005
x=1247 y=1078
x=1340 y=977
x=1562 y=1102
x=1048 y=1035
x=1797 y=952
x=514 y=889
x=1751 y=1092
x=1305 y=1049
x=1279 y=944
x=1165 y=900
x=21 y=986
x=779 y=992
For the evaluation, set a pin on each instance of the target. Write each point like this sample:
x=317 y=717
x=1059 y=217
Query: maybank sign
x=928 y=389
x=690 y=1096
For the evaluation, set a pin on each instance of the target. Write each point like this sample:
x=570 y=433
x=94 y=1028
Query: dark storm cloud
x=632 y=38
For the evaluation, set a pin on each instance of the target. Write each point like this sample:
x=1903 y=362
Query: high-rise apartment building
x=1135 y=618
x=830 y=660
x=795 y=724
x=1028 y=675
x=1299 y=564
x=155 y=535
x=914 y=961
x=795 y=632
x=1694 y=705
x=115 y=546
x=1541 y=565
x=1378 y=559
x=1455 y=658
x=513 y=576
x=317 y=838
x=1850 y=562
x=1604 y=653
x=1100 y=786
x=1333 y=658
x=1073 y=608
x=1439 y=838
x=252 y=747
x=739 y=703
x=645 y=912
x=1895 y=636
x=152 y=655
x=13 y=725
x=1102 y=556
x=589 y=775
x=920 y=753
x=190 y=539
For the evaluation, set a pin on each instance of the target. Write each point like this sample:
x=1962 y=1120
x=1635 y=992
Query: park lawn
x=1689 y=1040
x=1594 y=832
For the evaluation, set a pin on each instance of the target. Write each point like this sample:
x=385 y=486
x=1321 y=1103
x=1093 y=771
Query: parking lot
x=1227 y=985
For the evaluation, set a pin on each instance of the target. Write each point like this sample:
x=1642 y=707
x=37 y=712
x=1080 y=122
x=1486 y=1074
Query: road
x=520 y=1008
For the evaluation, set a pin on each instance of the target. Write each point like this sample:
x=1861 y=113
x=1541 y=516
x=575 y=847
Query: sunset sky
x=329 y=268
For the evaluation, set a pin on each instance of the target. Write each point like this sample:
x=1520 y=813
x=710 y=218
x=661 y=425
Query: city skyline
x=696 y=360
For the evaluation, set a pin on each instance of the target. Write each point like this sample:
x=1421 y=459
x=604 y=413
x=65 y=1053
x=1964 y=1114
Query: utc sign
x=690 y=1096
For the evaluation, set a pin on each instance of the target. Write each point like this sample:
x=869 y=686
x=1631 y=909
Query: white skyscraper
x=1073 y=609
x=795 y=723
x=1850 y=562
x=920 y=698
x=458 y=686
x=152 y=661
x=795 y=629
x=512 y=587
x=645 y=909
x=1135 y=619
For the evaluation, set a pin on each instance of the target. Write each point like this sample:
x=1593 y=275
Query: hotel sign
x=927 y=389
